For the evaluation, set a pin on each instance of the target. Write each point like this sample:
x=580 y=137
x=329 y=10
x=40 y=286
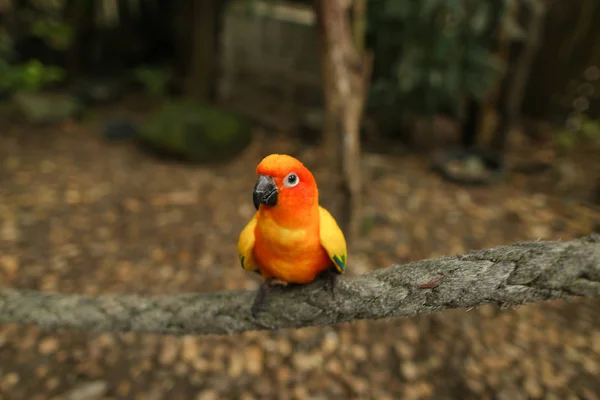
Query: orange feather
x=287 y=244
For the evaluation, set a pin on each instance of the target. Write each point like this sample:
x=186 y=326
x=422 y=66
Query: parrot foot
x=264 y=289
x=331 y=282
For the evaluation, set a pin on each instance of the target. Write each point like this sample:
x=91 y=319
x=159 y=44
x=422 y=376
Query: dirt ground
x=78 y=214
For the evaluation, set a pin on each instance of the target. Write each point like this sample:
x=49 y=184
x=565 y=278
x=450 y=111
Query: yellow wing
x=332 y=240
x=246 y=245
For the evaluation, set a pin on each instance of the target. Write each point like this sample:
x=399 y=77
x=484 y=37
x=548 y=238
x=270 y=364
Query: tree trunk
x=203 y=60
x=513 y=91
x=81 y=18
x=346 y=73
x=569 y=45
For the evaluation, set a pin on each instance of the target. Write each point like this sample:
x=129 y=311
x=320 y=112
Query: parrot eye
x=291 y=180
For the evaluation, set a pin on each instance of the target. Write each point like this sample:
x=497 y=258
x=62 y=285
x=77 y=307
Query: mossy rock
x=196 y=132
x=46 y=108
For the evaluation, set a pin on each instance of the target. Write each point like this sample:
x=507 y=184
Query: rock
x=44 y=108
x=94 y=390
x=119 y=130
x=195 y=132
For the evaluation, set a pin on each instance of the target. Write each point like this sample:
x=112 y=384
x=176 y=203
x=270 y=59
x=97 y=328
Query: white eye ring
x=291 y=180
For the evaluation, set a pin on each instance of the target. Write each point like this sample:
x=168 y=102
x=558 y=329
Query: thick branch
x=506 y=276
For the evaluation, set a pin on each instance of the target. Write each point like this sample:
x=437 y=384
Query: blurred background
x=129 y=135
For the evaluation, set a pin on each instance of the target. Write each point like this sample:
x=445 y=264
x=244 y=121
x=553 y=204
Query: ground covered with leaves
x=78 y=214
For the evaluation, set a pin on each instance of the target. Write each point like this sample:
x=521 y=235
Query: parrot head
x=284 y=181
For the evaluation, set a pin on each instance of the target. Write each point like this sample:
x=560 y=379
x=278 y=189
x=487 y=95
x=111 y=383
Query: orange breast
x=290 y=255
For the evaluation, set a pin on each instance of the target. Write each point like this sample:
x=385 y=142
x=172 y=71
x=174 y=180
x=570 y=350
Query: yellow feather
x=332 y=240
x=246 y=245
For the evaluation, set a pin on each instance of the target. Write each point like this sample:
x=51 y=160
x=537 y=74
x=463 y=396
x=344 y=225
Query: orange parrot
x=291 y=239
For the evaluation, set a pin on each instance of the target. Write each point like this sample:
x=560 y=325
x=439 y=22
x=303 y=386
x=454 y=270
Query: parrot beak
x=265 y=192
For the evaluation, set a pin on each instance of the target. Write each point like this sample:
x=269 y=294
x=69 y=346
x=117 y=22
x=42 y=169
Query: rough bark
x=505 y=276
x=346 y=74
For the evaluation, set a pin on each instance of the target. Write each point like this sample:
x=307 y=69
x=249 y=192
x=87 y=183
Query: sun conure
x=291 y=239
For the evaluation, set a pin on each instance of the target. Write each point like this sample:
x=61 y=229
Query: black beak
x=265 y=192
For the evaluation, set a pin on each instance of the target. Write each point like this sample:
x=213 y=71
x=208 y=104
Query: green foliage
x=579 y=128
x=34 y=75
x=590 y=129
x=44 y=19
x=31 y=76
x=429 y=54
x=154 y=80
x=56 y=34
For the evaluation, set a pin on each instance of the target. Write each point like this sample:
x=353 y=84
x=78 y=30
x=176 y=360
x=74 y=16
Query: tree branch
x=506 y=276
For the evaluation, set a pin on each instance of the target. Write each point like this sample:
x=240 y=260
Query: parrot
x=291 y=239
